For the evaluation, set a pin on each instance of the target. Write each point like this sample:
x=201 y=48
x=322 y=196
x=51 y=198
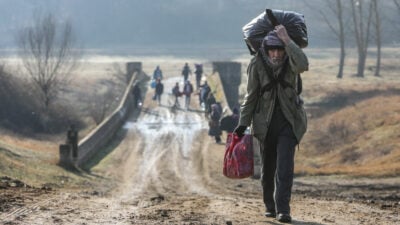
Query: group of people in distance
x=187 y=90
x=213 y=109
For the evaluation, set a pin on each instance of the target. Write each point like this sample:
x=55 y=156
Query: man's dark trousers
x=277 y=156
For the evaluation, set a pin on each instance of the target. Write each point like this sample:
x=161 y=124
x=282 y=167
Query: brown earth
x=165 y=169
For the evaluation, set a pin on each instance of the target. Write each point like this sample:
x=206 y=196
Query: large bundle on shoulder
x=258 y=28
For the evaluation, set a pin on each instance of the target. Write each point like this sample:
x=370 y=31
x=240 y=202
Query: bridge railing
x=104 y=132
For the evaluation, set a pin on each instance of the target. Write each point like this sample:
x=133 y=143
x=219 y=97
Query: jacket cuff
x=291 y=46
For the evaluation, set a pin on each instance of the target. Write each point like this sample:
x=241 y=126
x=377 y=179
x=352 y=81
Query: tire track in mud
x=61 y=208
x=22 y=211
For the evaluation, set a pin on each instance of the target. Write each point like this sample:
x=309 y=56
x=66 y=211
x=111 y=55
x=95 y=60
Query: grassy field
x=354 y=123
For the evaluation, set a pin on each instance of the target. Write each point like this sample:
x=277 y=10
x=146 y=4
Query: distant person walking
x=72 y=140
x=228 y=123
x=159 y=90
x=199 y=73
x=177 y=93
x=204 y=92
x=157 y=74
x=186 y=72
x=187 y=91
x=137 y=96
x=213 y=123
x=209 y=102
x=274 y=109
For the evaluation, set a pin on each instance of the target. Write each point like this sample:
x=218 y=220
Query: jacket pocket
x=263 y=98
x=259 y=125
x=291 y=98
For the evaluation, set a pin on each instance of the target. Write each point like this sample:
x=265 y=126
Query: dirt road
x=167 y=170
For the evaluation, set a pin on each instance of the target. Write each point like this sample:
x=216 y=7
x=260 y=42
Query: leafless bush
x=107 y=95
x=333 y=135
x=101 y=105
x=22 y=112
x=350 y=155
x=119 y=76
x=47 y=55
x=338 y=130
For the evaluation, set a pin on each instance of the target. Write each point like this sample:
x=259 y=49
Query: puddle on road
x=160 y=121
x=167 y=132
x=183 y=125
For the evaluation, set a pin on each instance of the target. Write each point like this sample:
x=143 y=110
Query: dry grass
x=34 y=160
x=39 y=169
x=353 y=123
x=364 y=140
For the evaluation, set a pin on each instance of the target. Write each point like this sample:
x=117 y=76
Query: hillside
x=353 y=122
x=359 y=139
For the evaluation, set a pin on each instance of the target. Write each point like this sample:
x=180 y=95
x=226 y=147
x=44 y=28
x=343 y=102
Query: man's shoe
x=284 y=218
x=270 y=214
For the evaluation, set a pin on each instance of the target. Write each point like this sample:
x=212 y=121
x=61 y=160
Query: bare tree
x=361 y=32
x=378 y=38
x=47 y=55
x=340 y=34
x=337 y=9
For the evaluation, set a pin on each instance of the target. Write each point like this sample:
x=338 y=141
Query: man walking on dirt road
x=177 y=94
x=187 y=91
x=159 y=90
x=186 y=72
x=274 y=109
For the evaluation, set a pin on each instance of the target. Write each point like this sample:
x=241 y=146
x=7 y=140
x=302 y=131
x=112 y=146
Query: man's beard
x=276 y=61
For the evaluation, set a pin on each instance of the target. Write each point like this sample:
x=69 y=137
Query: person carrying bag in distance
x=273 y=108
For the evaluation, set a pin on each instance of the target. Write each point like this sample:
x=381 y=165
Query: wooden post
x=65 y=156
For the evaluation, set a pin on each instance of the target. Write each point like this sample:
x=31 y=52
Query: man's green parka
x=258 y=107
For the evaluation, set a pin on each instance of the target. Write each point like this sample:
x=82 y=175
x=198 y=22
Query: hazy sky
x=121 y=24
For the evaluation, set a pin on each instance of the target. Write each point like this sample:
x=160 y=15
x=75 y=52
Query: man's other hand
x=239 y=130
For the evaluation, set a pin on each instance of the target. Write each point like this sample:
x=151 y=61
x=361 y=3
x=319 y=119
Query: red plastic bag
x=238 y=159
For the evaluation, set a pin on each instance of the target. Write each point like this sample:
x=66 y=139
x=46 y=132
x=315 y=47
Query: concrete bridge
x=229 y=74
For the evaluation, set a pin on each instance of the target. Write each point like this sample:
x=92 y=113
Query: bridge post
x=132 y=67
x=65 y=156
x=230 y=74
